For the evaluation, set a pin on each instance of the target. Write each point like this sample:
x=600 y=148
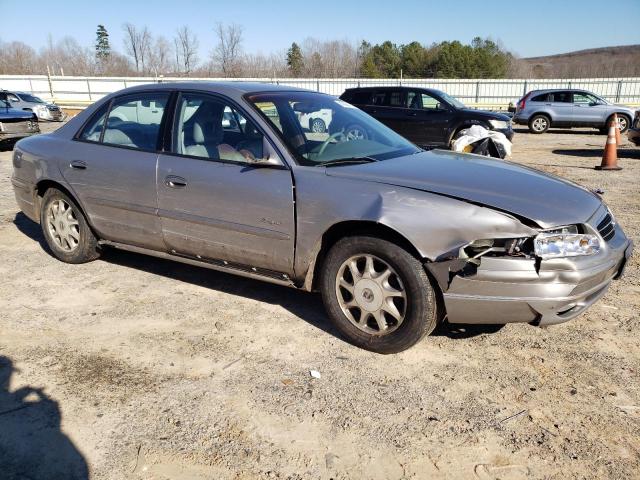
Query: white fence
x=79 y=91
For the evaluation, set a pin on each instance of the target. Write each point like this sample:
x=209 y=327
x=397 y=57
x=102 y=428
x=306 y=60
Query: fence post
x=31 y=85
x=477 y=91
x=89 y=90
x=618 y=91
x=524 y=90
x=49 y=80
x=317 y=85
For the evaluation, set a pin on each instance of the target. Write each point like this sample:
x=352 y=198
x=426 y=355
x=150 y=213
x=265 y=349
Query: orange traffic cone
x=610 y=156
x=617 y=124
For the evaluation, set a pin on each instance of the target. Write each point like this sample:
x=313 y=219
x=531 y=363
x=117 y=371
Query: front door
x=111 y=166
x=427 y=119
x=213 y=201
x=588 y=110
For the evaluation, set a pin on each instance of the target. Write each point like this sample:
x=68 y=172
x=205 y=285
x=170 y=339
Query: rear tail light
x=523 y=101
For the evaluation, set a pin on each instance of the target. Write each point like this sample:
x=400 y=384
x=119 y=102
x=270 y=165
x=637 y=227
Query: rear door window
x=561 y=97
x=134 y=121
x=379 y=98
x=93 y=130
x=397 y=98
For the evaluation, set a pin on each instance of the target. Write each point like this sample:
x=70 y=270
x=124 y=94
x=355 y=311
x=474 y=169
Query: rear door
x=213 y=202
x=561 y=105
x=111 y=166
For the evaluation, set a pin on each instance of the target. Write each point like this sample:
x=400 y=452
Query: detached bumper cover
x=510 y=289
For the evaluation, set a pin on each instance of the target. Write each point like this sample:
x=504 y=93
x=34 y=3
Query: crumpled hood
x=547 y=200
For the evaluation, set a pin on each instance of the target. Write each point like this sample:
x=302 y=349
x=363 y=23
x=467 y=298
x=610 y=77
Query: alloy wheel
x=354 y=133
x=63 y=225
x=371 y=294
x=539 y=124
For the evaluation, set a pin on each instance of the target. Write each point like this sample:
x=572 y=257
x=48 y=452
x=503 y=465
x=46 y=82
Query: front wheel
x=377 y=294
x=318 y=125
x=66 y=230
x=355 y=132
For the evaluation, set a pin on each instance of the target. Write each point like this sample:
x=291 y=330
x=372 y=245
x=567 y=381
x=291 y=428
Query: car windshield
x=320 y=129
x=30 y=98
x=451 y=100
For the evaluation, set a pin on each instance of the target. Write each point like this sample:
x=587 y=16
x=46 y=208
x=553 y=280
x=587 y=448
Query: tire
x=623 y=120
x=355 y=132
x=407 y=287
x=318 y=126
x=539 y=123
x=68 y=236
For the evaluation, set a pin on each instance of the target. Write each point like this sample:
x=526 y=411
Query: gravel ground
x=134 y=367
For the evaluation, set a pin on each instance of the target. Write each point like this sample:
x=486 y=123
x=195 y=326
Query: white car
x=316 y=122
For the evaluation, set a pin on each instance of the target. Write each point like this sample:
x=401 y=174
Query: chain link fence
x=481 y=93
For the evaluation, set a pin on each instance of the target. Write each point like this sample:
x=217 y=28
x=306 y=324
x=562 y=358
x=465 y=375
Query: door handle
x=78 y=165
x=173 y=181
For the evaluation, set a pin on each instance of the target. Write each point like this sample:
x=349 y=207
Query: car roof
x=228 y=88
x=547 y=90
x=393 y=87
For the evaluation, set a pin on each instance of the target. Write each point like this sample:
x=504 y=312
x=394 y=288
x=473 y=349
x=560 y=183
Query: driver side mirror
x=593 y=104
x=270 y=157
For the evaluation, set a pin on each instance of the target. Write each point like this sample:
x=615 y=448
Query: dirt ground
x=137 y=368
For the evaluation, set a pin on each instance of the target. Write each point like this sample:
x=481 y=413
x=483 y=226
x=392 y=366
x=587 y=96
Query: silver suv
x=27 y=101
x=543 y=109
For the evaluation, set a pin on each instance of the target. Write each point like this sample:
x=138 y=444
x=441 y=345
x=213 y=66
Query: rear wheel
x=539 y=124
x=66 y=230
x=377 y=294
x=318 y=125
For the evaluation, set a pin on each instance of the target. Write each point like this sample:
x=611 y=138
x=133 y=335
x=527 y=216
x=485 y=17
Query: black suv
x=427 y=117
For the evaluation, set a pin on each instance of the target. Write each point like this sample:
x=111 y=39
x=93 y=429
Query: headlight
x=499 y=124
x=565 y=242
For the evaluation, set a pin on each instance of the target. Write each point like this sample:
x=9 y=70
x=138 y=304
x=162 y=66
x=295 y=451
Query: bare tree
x=227 y=52
x=137 y=44
x=159 y=60
x=186 y=50
x=17 y=58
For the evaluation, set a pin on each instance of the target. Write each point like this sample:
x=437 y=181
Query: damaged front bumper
x=541 y=292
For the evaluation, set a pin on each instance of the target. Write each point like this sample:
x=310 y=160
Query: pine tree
x=295 y=60
x=103 y=49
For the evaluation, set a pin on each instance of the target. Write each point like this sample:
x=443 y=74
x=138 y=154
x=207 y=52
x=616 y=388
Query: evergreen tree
x=295 y=60
x=103 y=49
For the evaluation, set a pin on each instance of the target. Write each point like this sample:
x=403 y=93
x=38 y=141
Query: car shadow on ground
x=32 y=444
x=305 y=305
x=567 y=131
x=626 y=153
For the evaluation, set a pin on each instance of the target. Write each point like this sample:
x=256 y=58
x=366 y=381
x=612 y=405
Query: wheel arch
x=46 y=184
x=466 y=124
x=350 y=228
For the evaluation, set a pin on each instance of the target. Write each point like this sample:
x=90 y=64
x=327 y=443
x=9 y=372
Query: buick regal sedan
x=396 y=239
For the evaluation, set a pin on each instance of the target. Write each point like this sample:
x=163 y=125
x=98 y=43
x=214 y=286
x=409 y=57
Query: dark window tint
x=92 y=130
x=561 y=97
x=134 y=121
x=540 y=98
x=397 y=98
x=379 y=98
x=359 y=97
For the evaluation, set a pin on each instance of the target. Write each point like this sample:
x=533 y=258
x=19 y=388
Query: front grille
x=607 y=227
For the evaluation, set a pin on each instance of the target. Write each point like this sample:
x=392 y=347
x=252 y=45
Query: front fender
x=434 y=224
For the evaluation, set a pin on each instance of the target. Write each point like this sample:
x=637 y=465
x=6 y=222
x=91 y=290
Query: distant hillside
x=621 y=61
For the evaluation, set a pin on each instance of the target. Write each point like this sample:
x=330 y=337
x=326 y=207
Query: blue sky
x=526 y=28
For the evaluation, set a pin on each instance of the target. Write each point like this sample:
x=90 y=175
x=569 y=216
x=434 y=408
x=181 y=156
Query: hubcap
x=63 y=225
x=317 y=127
x=539 y=124
x=622 y=123
x=354 y=134
x=371 y=294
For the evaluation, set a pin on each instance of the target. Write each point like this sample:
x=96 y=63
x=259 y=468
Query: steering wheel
x=333 y=136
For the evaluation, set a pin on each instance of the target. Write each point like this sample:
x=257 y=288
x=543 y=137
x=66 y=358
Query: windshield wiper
x=347 y=161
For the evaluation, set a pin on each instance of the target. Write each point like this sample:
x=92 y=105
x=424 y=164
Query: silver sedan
x=396 y=239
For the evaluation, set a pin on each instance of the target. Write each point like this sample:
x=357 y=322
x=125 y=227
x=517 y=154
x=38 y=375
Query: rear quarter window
x=540 y=98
